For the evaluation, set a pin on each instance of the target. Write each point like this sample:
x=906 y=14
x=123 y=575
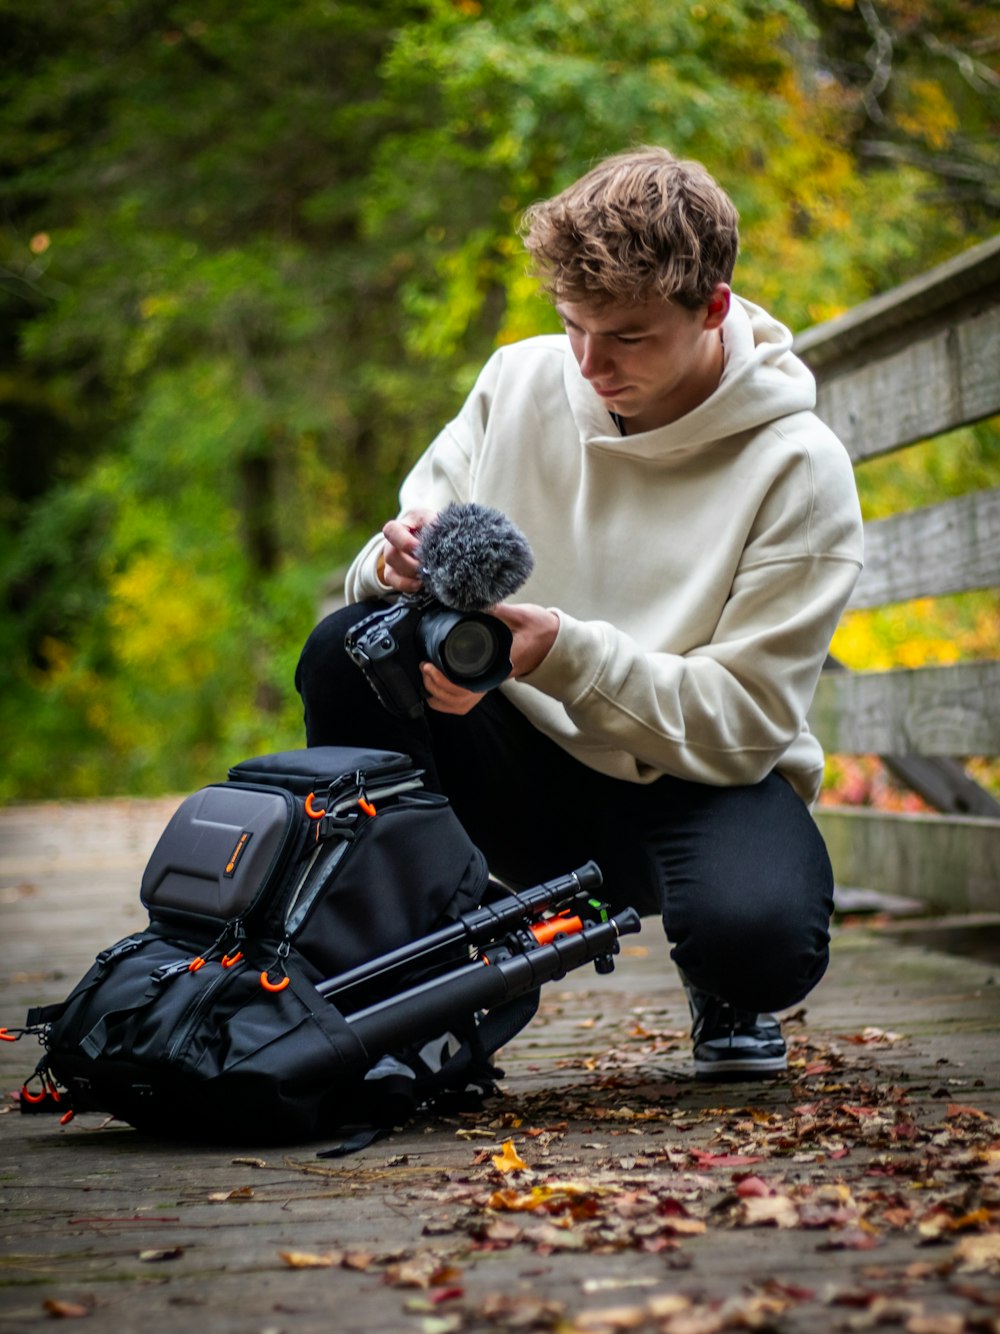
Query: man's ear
x=718 y=306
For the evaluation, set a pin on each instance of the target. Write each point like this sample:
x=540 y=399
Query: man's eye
x=628 y=341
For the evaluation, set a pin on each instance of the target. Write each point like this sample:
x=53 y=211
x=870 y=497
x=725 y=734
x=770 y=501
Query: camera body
x=471 y=648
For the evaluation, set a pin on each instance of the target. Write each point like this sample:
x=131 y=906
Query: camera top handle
x=478 y=927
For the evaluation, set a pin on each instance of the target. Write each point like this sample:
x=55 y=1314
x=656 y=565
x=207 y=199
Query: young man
x=696 y=534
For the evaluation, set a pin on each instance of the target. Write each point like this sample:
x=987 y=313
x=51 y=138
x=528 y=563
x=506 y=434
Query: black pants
x=739 y=875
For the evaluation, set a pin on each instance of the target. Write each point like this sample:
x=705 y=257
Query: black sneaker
x=733 y=1044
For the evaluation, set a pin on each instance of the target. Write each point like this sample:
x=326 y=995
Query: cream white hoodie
x=698 y=570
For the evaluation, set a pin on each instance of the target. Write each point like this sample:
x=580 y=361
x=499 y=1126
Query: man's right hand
x=398 y=565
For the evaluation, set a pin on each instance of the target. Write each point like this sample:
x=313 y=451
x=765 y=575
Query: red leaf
x=439 y=1295
x=752 y=1186
x=704 y=1159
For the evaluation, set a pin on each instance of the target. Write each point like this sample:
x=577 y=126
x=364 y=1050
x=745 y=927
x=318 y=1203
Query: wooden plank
x=933 y=384
x=943 y=784
x=947 y=548
x=939 y=779
x=950 y=863
x=926 y=711
x=892 y=314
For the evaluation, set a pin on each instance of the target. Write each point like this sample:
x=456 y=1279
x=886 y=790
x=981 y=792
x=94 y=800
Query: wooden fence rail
x=910 y=365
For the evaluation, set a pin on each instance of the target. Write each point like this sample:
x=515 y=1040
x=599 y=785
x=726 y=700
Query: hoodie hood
x=762 y=380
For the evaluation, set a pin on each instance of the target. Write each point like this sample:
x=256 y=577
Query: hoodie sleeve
x=726 y=711
x=444 y=472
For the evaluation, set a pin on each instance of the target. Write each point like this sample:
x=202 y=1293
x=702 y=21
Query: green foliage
x=950 y=465
x=251 y=258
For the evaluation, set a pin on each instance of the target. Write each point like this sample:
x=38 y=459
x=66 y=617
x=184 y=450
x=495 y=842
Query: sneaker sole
x=736 y=1068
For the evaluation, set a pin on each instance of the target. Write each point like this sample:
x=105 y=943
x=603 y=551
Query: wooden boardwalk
x=605 y=1191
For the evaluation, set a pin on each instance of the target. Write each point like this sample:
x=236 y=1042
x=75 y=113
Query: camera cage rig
x=383 y=645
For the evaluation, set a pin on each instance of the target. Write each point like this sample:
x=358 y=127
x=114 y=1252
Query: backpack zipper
x=197 y=1008
x=297 y=911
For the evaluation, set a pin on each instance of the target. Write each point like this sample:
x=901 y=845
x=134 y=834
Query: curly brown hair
x=639 y=224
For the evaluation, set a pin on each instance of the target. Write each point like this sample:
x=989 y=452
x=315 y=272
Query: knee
x=323 y=658
x=338 y=705
x=762 y=952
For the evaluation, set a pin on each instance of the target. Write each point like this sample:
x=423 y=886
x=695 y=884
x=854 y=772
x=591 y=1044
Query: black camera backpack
x=325 y=949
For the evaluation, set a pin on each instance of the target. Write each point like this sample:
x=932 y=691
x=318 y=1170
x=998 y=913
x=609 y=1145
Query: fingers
x=399 y=566
x=443 y=695
x=534 y=629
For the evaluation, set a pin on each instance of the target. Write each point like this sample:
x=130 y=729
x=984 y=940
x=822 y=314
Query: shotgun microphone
x=472 y=557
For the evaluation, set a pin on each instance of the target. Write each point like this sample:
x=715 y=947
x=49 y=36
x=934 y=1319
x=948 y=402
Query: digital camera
x=471 y=648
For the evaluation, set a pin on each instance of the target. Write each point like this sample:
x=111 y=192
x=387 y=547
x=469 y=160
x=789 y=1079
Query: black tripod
x=508 y=948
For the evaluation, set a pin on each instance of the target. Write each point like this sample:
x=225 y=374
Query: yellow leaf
x=769 y=1211
x=612 y=1317
x=509 y=1160
x=307 y=1260
x=557 y=1196
x=667 y=1305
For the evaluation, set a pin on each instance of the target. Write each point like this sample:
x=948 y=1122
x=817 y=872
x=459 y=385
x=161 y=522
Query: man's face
x=649 y=362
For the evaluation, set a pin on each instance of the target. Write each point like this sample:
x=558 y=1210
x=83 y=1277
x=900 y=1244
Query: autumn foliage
x=253 y=257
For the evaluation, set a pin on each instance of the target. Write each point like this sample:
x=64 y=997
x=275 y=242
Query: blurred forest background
x=252 y=256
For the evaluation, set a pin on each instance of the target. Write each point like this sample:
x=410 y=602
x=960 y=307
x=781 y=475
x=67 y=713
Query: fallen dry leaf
x=509 y=1160
x=705 y=1159
x=700 y=1320
x=240 y=1193
x=590 y=1285
x=65 y=1310
x=935 y=1324
x=958 y=1109
x=442 y=1324
x=874 y=1036
x=753 y=1187
x=359 y=1260
x=768 y=1211
x=980 y=1254
x=612 y=1317
x=424 y=1270
x=307 y=1260
x=555 y=1197
x=153 y=1257
x=886 y=1310
x=668 y=1305
x=517 y=1311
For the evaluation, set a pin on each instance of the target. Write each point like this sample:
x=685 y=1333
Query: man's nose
x=594 y=360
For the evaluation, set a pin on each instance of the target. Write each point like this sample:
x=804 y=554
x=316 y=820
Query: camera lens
x=469 y=649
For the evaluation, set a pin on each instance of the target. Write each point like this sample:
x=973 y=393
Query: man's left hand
x=534 y=630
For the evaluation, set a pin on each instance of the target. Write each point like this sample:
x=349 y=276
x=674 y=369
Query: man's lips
x=615 y=392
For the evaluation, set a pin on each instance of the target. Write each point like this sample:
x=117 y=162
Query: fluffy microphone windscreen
x=472 y=557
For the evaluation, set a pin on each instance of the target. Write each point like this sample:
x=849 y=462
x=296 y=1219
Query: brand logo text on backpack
x=238 y=851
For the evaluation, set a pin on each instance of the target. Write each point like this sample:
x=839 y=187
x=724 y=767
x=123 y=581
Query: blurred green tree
x=251 y=259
